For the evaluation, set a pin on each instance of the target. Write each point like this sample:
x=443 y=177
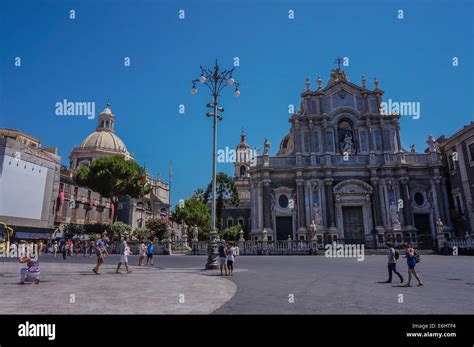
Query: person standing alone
x=149 y=251
x=124 y=252
x=392 y=256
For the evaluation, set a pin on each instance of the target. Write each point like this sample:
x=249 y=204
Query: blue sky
x=82 y=60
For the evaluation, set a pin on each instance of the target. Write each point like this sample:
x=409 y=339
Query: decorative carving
x=317 y=215
x=266 y=147
x=394 y=218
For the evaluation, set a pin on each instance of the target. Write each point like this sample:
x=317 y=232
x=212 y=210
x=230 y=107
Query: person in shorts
x=230 y=256
x=222 y=258
x=101 y=252
x=124 y=252
x=411 y=262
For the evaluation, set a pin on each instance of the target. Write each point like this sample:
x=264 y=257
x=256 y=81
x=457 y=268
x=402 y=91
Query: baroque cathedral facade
x=340 y=173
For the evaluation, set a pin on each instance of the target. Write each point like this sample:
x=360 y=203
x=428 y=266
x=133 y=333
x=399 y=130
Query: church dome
x=104 y=140
x=104 y=136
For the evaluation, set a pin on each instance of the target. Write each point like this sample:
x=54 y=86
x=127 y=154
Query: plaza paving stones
x=147 y=290
x=260 y=285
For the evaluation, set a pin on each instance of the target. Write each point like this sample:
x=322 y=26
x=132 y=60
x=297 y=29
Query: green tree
x=194 y=212
x=157 y=227
x=113 y=177
x=117 y=230
x=141 y=233
x=71 y=230
x=96 y=228
x=231 y=233
x=226 y=195
x=199 y=194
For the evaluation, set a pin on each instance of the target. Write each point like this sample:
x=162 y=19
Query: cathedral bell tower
x=243 y=160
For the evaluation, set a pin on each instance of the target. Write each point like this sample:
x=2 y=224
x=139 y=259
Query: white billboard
x=22 y=188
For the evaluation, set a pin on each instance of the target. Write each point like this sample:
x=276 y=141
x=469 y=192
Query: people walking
x=222 y=257
x=411 y=262
x=124 y=253
x=101 y=252
x=230 y=256
x=392 y=256
x=149 y=251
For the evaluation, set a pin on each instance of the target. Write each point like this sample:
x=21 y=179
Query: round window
x=283 y=201
x=419 y=199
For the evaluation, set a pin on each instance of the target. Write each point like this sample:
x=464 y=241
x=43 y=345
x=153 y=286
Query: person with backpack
x=412 y=259
x=149 y=251
x=392 y=256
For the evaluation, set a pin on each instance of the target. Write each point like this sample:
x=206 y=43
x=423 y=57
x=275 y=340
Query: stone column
x=376 y=203
x=297 y=138
x=446 y=202
x=308 y=202
x=267 y=211
x=254 y=206
x=399 y=143
x=434 y=194
x=439 y=195
x=301 y=205
x=260 y=206
x=407 y=210
x=329 y=202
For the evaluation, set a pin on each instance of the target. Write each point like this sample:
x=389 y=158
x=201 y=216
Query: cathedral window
x=283 y=201
x=230 y=222
x=377 y=140
x=306 y=142
x=242 y=171
x=363 y=141
x=316 y=141
x=329 y=141
x=387 y=140
x=471 y=152
x=451 y=162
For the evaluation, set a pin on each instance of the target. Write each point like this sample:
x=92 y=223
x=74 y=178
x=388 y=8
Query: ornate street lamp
x=216 y=81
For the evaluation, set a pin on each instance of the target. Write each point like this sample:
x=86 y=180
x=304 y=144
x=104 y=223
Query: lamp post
x=216 y=81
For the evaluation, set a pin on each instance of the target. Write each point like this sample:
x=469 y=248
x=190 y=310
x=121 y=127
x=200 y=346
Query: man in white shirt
x=124 y=252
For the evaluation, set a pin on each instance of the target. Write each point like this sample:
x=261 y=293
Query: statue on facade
x=439 y=226
x=431 y=143
x=412 y=149
x=313 y=230
x=347 y=146
x=394 y=218
x=266 y=147
x=272 y=202
x=195 y=233
x=317 y=216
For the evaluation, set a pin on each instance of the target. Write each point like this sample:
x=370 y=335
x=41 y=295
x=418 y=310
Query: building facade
x=80 y=205
x=341 y=173
x=458 y=157
x=29 y=184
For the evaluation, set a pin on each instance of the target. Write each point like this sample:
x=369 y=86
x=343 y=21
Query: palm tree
x=226 y=195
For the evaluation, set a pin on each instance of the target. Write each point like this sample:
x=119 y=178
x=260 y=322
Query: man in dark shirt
x=222 y=257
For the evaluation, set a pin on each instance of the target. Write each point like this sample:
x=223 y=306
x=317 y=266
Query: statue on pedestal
x=394 y=218
x=317 y=216
x=439 y=226
x=195 y=233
